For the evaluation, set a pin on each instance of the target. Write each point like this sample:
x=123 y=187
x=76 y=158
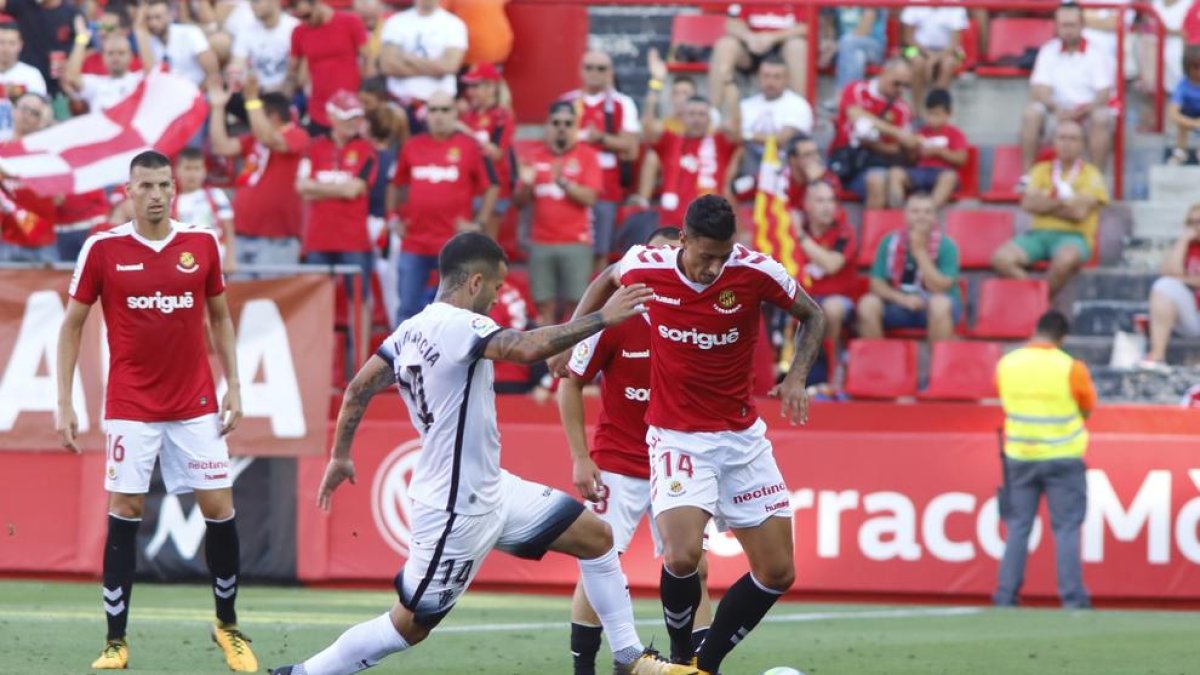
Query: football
x=782 y=670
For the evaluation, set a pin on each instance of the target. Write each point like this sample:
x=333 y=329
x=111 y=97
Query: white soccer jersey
x=446 y=384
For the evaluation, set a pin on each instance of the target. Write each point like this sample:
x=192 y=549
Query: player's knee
x=597 y=539
x=681 y=560
x=126 y=506
x=778 y=576
x=940 y=305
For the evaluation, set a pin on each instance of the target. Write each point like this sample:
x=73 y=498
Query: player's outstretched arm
x=542 y=343
x=791 y=391
x=584 y=473
x=598 y=292
x=375 y=376
x=226 y=346
x=69 y=336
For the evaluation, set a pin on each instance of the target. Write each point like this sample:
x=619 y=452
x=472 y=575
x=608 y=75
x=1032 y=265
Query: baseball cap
x=481 y=72
x=344 y=105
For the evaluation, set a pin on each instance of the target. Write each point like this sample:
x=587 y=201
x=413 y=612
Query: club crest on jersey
x=727 y=302
x=351 y=158
x=676 y=488
x=453 y=155
x=187 y=263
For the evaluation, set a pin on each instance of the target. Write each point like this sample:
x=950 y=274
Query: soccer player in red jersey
x=709 y=455
x=614 y=475
x=156 y=279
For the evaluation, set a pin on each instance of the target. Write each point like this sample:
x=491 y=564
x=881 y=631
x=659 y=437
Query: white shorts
x=624 y=500
x=447 y=549
x=192 y=452
x=730 y=474
x=1187 y=310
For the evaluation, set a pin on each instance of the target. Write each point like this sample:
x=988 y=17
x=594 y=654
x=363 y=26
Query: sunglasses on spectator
x=440 y=109
x=562 y=123
x=595 y=67
x=107 y=27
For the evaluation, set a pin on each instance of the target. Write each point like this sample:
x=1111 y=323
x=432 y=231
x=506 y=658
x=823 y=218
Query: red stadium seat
x=968 y=176
x=962 y=371
x=876 y=225
x=978 y=234
x=1009 y=308
x=697 y=30
x=1012 y=36
x=882 y=369
x=969 y=41
x=1006 y=171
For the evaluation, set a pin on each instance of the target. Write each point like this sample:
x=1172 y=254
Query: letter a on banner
x=263 y=346
x=22 y=388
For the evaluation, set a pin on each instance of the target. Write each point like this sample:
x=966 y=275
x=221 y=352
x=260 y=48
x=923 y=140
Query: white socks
x=359 y=648
x=608 y=592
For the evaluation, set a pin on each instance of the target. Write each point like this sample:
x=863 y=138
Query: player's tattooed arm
x=375 y=376
x=810 y=334
x=541 y=343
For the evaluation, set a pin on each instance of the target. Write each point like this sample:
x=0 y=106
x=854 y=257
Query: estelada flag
x=774 y=233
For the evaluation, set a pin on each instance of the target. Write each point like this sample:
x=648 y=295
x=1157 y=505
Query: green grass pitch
x=58 y=628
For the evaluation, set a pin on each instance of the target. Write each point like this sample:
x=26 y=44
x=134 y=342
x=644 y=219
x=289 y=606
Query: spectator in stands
x=683 y=88
x=422 y=51
x=511 y=310
x=914 y=281
x=46 y=30
x=115 y=17
x=1175 y=296
x=263 y=47
x=103 y=91
x=266 y=208
x=1184 y=107
x=382 y=111
x=16 y=77
x=27 y=219
x=562 y=179
x=753 y=34
x=374 y=14
x=198 y=204
x=775 y=111
x=871 y=132
x=331 y=49
x=805 y=166
x=438 y=175
x=861 y=42
x=183 y=48
x=941 y=153
x=608 y=122
x=1064 y=196
x=1172 y=14
x=829 y=248
x=1070 y=82
x=493 y=127
x=698 y=161
x=1100 y=29
x=933 y=43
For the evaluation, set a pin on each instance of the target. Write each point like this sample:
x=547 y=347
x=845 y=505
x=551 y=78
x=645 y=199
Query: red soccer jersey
x=703 y=337
x=442 y=176
x=1191 y=264
x=496 y=126
x=948 y=137
x=609 y=113
x=838 y=238
x=865 y=95
x=556 y=218
x=766 y=18
x=511 y=311
x=154 y=295
x=691 y=167
x=265 y=203
x=622 y=355
x=337 y=224
x=331 y=51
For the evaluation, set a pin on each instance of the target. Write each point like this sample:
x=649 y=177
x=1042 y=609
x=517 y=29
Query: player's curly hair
x=711 y=217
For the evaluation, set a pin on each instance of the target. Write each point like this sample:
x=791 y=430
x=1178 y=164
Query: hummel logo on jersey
x=163 y=303
x=131 y=268
x=665 y=300
x=644 y=354
x=701 y=340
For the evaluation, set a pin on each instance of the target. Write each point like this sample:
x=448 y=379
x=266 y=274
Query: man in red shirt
x=827 y=250
x=27 y=219
x=698 y=161
x=871 y=132
x=608 y=122
x=805 y=166
x=493 y=126
x=157 y=280
x=438 y=175
x=709 y=454
x=942 y=152
x=614 y=476
x=563 y=180
x=331 y=47
x=266 y=208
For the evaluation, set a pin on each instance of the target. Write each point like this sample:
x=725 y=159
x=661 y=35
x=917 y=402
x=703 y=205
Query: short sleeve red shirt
x=948 y=137
x=154 y=297
x=443 y=176
x=495 y=125
x=556 y=218
x=336 y=224
x=331 y=51
x=865 y=95
x=265 y=203
x=840 y=238
x=691 y=167
x=621 y=355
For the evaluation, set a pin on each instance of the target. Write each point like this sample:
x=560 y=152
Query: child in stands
x=942 y=152
x=1184 y=108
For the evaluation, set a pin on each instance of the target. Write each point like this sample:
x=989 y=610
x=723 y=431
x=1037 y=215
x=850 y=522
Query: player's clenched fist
x=339 y=469
x=626 y=302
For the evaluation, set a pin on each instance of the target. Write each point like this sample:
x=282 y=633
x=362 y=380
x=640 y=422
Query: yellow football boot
x=114 y=656
x=236 y=648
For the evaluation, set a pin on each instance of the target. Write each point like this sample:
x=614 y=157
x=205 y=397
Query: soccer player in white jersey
x=464 y=504
x=709 y=455
x=155 y=279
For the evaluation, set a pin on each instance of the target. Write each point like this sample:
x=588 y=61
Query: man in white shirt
x=422 y=50
x=775 y=111
x=104 y=91
x=182 y=47
x=16 y=78
x=1071 y=80
x=263 y=46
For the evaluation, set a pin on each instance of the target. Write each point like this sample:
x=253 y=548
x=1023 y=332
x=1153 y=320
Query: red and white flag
x=93 y=151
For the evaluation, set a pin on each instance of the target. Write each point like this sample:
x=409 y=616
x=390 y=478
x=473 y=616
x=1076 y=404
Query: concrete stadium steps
x=1096 y=351
x=1105 y=317
x=1141 y=386
x=1144 y=254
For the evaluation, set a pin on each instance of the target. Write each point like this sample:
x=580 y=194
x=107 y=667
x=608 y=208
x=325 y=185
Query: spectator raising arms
x=103 y=91
x=1175 y=296
x=438 y=175
x=329 y=52
x=941 y=153
x=16 y=77
x=753 y=34
x=422 y=51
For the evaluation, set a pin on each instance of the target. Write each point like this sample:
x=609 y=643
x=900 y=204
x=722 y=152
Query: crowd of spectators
x=364 y=132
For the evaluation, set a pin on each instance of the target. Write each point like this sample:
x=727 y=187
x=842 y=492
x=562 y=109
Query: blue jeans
x=70 y=244
x=413 y=279
x=28 y=254
x=363 y=259
x=853 y=54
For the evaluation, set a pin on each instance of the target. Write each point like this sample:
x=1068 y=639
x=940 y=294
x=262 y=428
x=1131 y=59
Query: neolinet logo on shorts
x=162 y=302
x=701 y=340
